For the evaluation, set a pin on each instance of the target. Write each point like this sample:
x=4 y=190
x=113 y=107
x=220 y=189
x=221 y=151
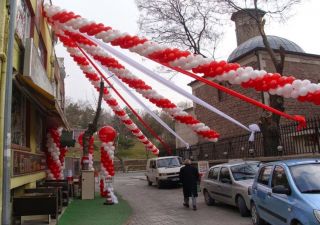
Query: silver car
x=230 y=183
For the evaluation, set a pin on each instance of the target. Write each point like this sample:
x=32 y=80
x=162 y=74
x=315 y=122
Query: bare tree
x=92 y=128
x=279 y=10
x=190 y=24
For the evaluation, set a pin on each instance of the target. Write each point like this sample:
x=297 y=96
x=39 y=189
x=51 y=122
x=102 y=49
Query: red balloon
x=107 y=134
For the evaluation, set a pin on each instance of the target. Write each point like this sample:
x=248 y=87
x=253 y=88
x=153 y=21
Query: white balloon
x=303 y=91
x=279 y=91
x=294 y=94
x=55 y=157
x=312 y=87
x=273 y=91
x=306 y=83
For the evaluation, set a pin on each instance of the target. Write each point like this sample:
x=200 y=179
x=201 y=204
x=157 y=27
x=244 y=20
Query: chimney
x=246 y=25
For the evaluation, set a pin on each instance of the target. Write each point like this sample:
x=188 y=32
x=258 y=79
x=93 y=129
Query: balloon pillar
x=91 y=151
x=107 y=135
x=54 y=158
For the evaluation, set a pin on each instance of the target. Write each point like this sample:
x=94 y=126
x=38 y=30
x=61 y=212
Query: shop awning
x=44 y=100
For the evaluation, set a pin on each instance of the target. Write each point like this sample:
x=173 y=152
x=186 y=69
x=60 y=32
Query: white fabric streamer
x=160 y=79
x=254 y=128
x=157 y=118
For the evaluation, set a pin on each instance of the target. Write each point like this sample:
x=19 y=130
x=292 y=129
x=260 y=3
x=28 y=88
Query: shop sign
x=27 y=163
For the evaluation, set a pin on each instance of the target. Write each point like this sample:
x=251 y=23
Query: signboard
x=27 y=163
x=203 y=167
x=34 y=69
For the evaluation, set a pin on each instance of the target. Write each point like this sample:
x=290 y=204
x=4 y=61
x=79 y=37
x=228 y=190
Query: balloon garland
x=91 y=150
x=63 y=151
x=112 y=102
x=107 y=135
x=145 y=90
x=54 y=171
x=247 y=77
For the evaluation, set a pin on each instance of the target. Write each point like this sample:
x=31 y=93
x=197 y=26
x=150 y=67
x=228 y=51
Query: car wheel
x=207 y=198
x=244 y=211
x=149 y=182
x=256 y=220
x=159 y=184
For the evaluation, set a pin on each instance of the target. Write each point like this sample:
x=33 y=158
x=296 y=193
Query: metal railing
x=292 y=142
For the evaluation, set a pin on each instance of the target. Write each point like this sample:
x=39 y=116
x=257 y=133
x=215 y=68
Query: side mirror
x=226 y=180
x=280 y=189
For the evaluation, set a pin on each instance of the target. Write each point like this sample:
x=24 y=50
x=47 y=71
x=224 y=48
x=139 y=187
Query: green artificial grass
x=93 y=212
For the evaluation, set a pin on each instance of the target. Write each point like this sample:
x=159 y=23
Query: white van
x=163 y=170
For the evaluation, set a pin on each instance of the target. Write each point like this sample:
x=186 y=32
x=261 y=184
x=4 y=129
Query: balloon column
x=91 y=151
x=107 y=135
x=54 y=161
x=247 y=77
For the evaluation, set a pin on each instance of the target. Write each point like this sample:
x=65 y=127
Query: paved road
x=164 y=206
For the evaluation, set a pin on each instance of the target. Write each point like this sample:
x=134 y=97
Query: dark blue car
x=287 y=192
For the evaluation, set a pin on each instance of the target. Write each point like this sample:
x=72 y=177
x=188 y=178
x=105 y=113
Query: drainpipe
x=6 y=207
x=3 y=61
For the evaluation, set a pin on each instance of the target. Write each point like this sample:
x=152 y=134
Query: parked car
x=163 y=170
x=230 y=183
x=287 y=192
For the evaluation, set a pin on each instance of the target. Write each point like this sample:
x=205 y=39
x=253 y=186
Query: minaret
x=246 y=25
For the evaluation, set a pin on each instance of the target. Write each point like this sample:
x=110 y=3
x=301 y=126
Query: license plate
x=175 y=179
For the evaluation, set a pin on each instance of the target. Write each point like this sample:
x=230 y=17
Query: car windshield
x=168 y=162
x=245 y=171
x=307 y=177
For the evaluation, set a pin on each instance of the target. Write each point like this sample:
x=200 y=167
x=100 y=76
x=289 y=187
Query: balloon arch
x=88 y=45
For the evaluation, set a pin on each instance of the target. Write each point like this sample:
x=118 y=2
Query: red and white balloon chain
x=91 y=150
x=247 y=77
x=141 y=87
x=112 y=102
x=54 y=171
x=107 y=136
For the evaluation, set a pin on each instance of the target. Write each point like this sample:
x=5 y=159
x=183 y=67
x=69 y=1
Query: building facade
x=251 y=52
x=38 y=94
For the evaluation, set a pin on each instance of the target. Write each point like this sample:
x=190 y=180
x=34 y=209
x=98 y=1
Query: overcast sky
x=302 y=28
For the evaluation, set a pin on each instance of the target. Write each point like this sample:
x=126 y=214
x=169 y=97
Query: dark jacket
x=189 y=177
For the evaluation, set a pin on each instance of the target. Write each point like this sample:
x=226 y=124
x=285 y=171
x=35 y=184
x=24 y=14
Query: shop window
x=23 y=21
x=18 y=118
x=39 y=134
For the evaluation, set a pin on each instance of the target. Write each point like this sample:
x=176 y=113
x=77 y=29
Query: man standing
x=189 y=177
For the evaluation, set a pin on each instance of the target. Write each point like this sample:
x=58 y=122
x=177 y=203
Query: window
x=245 y=171
x=307 y=177
x=39 y=132
x=168 y=162
x=224 y=173
x=23 y=21
x=20 y=119
x=42 y=50
x=264 y=175
x=213 y=173
x=279 y=177
x=152 y=164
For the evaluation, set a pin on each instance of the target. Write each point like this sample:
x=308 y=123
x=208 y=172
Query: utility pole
x=6 y=208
